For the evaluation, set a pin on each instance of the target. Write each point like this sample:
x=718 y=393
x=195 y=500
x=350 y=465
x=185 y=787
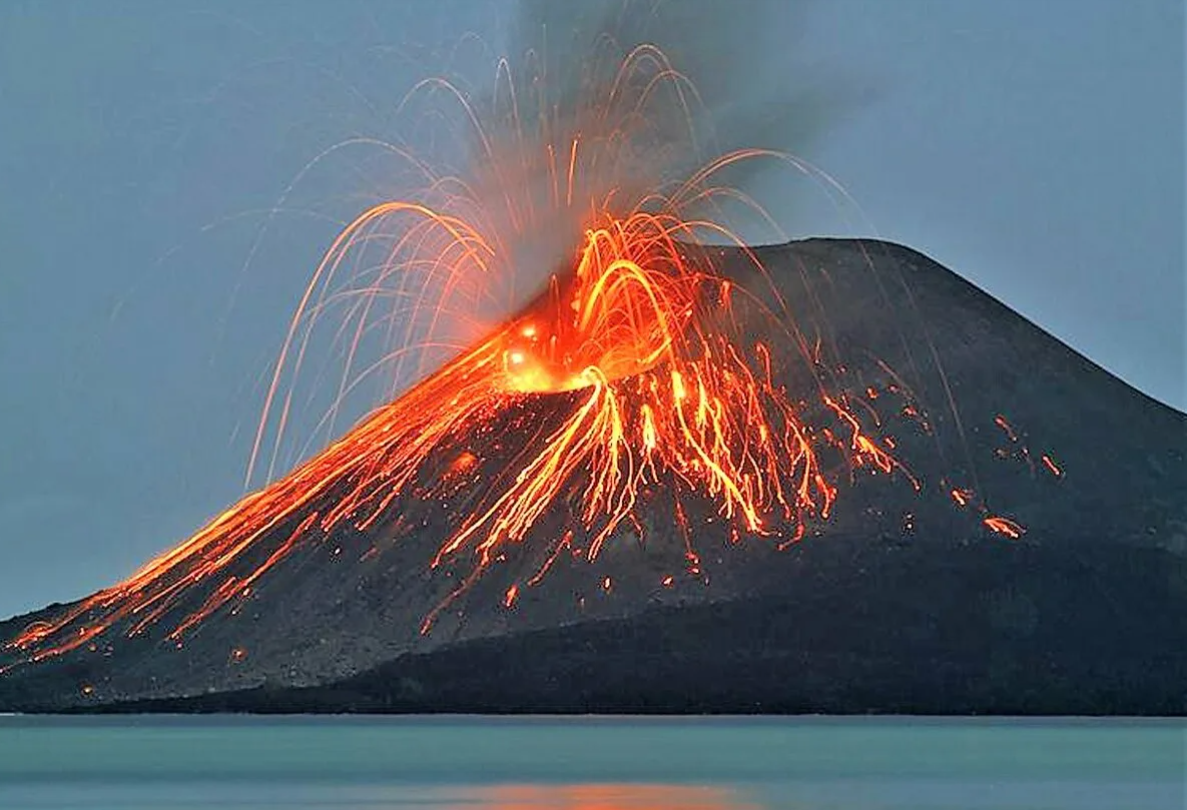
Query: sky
x=159 y=213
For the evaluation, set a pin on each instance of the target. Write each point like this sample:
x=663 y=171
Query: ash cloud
x=650 y=91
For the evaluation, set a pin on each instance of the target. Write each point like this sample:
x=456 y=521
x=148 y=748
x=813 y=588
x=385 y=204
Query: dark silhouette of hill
x=902 y=601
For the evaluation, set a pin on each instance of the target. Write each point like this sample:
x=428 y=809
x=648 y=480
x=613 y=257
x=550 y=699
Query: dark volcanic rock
x=900 y=602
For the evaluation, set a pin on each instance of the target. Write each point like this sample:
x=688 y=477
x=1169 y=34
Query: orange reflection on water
x=606 y=797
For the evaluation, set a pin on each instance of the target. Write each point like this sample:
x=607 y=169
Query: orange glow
x=1006 y=427
x=1051 y=466
x=465 y=461
x=1004 y=526
x=605 y=797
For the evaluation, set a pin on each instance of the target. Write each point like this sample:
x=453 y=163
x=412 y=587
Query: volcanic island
x=885 y=492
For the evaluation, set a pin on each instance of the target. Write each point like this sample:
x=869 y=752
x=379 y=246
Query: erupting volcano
x=671 y=441
x=650 y=384
x=652 y=367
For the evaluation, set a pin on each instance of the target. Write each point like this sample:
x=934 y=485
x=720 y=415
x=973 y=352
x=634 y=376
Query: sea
x=591 y=763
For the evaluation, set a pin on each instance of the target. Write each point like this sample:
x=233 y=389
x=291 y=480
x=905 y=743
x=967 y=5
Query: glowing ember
x=1004 y=526
x=1051 y=466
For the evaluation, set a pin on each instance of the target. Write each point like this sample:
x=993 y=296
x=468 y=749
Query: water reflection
x=602 y=797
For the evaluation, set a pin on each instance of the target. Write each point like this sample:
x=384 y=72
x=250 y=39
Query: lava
x=654 y=392
x=634 y=344
x=1004 y=526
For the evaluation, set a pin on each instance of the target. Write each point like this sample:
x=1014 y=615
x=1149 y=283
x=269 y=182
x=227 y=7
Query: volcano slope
x=904 y=599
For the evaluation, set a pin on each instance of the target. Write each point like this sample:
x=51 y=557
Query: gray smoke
x=647 y=92
x=640 y=128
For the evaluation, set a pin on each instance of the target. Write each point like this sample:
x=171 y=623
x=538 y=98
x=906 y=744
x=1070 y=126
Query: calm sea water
x=590 y=763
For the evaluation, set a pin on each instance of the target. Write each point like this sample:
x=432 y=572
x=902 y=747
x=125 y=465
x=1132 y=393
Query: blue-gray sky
x=1036 y=148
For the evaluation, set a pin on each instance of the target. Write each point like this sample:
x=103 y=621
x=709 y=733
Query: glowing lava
x=654 y=392
x=632 y=357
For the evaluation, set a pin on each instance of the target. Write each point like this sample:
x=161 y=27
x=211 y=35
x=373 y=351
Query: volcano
x=1000 y=526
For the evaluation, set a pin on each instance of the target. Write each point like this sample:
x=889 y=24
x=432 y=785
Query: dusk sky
x=153 y=249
